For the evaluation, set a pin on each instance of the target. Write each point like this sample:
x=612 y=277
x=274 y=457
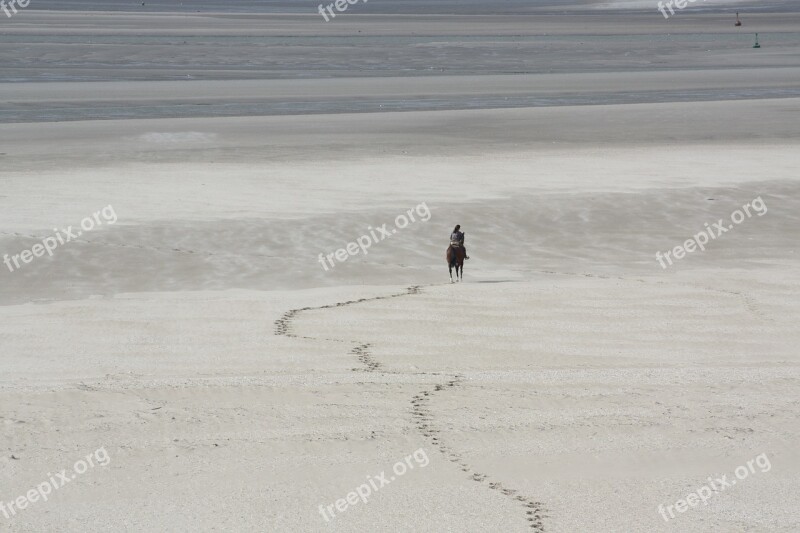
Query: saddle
x=455 y=244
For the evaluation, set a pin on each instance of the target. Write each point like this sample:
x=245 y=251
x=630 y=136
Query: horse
x=455 y=258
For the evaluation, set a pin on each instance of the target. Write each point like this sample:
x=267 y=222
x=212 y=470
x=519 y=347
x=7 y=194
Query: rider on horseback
x=457 y=239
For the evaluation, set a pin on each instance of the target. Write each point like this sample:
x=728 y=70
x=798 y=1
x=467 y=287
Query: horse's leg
x=448 y=255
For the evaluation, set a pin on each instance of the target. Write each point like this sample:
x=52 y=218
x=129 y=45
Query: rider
x=457 y=239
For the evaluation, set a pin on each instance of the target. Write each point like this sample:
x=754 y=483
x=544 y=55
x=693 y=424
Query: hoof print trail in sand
x=422 y=416
x=362 y=351
x=284 y=323
x=420 y=410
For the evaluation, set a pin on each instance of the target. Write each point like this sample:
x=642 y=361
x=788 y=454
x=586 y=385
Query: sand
x=570 y=383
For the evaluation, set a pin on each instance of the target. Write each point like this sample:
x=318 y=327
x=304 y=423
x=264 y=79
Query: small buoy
x=756 y=45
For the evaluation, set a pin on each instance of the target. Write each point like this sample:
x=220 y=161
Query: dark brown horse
x=455 y=258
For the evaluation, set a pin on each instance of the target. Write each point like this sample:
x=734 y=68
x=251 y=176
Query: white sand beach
x=568 y=384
